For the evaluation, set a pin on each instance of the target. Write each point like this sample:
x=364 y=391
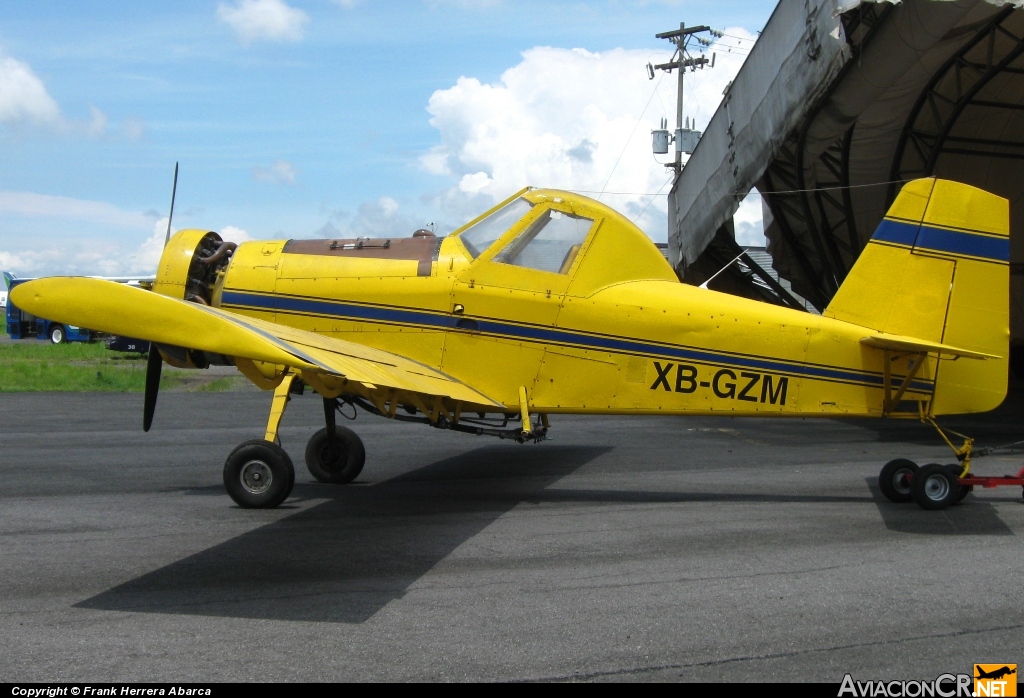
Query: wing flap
x=119 y=309
x=895 y=342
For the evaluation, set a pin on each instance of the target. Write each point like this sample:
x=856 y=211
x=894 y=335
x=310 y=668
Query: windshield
x=482 y=234
x=551 y=243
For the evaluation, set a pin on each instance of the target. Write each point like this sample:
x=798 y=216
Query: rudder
x=937 y=268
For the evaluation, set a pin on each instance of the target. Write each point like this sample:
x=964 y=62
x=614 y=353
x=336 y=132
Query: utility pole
x=685 y=138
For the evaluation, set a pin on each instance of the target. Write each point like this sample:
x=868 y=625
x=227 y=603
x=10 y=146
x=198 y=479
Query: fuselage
x=612 y=331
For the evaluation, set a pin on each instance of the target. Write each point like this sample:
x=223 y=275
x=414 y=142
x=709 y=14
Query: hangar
x=838 y=104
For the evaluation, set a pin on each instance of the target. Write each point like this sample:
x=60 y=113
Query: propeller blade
x=170 y=216
x=153 y=366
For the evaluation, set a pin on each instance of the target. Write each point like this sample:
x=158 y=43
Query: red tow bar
x=991 y=481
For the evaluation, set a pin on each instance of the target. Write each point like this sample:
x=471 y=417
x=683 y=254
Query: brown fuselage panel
x=423 y=250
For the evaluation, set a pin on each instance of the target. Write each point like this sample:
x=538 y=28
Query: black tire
x=935 y=487
x=336 y=462
x=896 y=478
x=258 y=475
x=58 y=335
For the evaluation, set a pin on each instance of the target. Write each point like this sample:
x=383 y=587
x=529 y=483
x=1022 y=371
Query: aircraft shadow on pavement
x=345 y=559
x=969 y=518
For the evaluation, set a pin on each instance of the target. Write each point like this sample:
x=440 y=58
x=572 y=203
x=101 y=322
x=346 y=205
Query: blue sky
x=300 y=118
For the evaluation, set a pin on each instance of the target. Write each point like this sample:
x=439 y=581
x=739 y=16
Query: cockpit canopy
x=548 y=242
x=559 y=232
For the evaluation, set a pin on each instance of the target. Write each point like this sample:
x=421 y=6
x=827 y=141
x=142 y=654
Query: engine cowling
x=191 y=265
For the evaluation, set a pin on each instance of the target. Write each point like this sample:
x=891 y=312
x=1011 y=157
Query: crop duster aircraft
x=552 y=303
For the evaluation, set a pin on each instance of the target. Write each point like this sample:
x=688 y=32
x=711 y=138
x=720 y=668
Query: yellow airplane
x=552 y=303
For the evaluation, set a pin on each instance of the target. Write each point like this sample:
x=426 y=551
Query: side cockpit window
x=551 y=243
x=481 y=235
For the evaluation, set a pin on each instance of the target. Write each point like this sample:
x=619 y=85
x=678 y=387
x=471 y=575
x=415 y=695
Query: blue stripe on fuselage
x=348 y=311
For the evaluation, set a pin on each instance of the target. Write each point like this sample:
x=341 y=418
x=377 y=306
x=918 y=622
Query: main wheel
x=258 y=475
x=57 y=334
x=935 y=487
x=895 y=479
x=337 y=460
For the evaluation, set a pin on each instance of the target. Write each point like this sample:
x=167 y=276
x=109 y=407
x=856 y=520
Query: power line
x=653 y=92
x=652 y=200
x=620 y=193
x=741 y=38
x=801 y=191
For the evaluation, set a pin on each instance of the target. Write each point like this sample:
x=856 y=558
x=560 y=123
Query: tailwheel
x=895 y=480
x=935 y=487
x=259 y=475
x=336 y=460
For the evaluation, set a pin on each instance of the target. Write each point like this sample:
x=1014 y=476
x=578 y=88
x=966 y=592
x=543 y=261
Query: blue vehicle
x=22 y=325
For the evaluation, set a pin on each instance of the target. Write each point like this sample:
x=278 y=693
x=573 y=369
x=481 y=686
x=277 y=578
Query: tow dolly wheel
x=258 y=475
x=895 y=480
x=935 y=487
x=338 y=460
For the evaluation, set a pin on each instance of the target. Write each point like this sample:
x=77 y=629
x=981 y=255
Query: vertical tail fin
x=937 y=268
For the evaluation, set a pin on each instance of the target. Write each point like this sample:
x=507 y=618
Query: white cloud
x=49 y=206
x=475 y=183
x=272 y=20
x=570 y=119
x=387 y=205
x=23 y=97
x=133 y=128
x=747 y=220
x=233 y=234
x=281 y=172
x=145 y=258
x=464 y=4
x=82 y=253
x=380 y=218
x=85 y=258
x=24 y=101
x=97 y=126
x=101 y=257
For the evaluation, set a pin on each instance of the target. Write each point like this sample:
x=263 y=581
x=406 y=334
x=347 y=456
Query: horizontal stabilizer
x=897 y=342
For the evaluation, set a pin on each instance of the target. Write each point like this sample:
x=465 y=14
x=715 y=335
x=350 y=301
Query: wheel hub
x=256 y=476
x=332 y=458
x=937 y=488
x=900 y=481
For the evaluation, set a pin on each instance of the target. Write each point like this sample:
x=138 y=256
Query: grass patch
x=223 y=384
x=32 y=366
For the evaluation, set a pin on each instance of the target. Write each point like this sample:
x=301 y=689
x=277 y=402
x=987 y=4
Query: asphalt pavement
x=644 y=548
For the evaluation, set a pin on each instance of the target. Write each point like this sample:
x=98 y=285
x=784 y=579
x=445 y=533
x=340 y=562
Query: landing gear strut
x=260 y=475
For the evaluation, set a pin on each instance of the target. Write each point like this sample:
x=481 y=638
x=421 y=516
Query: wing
x=260 y=349
x=895 y=342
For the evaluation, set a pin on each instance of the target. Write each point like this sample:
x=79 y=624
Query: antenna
x=174 y=191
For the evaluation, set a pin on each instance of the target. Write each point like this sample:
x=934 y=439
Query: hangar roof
x=837 y=105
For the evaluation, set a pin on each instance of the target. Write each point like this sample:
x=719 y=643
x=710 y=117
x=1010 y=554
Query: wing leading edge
x=261 y=350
